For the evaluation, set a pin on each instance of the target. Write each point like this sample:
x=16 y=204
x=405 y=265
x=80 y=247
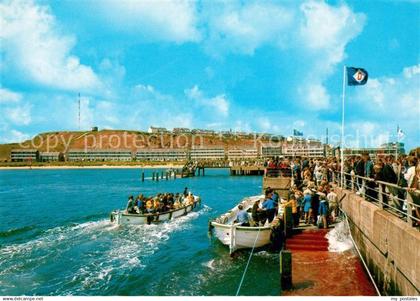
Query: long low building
x=161 y=155
x=251 y=153
x=99 y=155
x=271 y=151
x=207 y=154
x=21 y=155
x=50 y=156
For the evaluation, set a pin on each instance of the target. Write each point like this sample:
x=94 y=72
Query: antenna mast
x=79 y=111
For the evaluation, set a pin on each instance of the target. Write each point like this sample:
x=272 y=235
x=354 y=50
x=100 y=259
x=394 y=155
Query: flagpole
x=396 y=145
x=342 y=128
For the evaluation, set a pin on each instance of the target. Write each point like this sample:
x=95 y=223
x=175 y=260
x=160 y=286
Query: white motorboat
x=241 y=237
x=122 y=217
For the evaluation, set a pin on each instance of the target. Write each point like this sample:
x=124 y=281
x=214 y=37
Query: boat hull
x=242 y=237
x=236 y=236
x=124 y=218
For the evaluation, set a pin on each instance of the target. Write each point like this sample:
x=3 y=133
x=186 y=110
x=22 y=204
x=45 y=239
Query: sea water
x=56 y=238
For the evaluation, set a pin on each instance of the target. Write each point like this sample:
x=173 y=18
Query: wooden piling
x=161 y=175
x=142 y=176
x=167 y=176
x=153 y=176
x=286 y=269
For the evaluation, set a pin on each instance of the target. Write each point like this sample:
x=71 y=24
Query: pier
x=246 y=170
x=384 y=234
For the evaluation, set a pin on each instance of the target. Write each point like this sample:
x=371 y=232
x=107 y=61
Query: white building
x=99 y=155
x=181 y=131
x=271 y=151
x=251 y=153
x=161 y=155
x=207 y=154
x=20 y=155
x=50 y=156
x=157 y=130
x=303 y=148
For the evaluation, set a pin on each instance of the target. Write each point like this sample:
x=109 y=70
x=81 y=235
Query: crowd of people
x=162 y=202
x=313 y=199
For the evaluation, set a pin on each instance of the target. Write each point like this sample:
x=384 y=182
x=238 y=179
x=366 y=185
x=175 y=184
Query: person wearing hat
x=307 y=205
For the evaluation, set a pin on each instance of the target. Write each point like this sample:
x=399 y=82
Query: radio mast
x=79 y=111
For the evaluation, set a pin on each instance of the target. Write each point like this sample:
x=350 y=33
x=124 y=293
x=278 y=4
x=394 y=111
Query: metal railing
x=400 y=201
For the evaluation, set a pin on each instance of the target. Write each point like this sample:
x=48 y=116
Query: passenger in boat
x=257 y=213
x=177 y=203
x=189 y=199
x=307 y=209
x=139 y=204
x=185 y=192
x=149 y=206
x=269 y=206
x=130 y=204
x=242 y=217
x=275 y=198
x=156 y=205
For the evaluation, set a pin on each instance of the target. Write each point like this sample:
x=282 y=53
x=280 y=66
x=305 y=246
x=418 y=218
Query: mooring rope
x=360 y=255
x=247 y=264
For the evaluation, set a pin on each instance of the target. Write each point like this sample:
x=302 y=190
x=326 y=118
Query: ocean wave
x=16 y=231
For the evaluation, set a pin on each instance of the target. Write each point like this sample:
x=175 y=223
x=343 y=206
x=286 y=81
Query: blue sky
x=265 y=66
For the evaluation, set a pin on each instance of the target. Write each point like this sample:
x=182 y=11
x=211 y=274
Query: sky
x=257 y=66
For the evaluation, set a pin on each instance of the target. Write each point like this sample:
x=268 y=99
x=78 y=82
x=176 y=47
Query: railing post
x=352 y=183
x=380 y=196
x=363 y=188
x=409 y=208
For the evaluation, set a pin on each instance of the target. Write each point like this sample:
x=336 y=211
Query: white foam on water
x=129 y=250
x=339 y=238
x=209 y=264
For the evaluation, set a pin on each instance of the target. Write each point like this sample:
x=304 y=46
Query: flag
x=356 y=76
x=297 y=133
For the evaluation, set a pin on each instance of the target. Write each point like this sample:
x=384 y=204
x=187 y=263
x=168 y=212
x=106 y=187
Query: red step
x=295 y=247
x=308 y=240
x=307 y=243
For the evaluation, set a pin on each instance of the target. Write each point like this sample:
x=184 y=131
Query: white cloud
x=315 y=97
x=411 y=71
x=165 y=20
x=316 y=32
x=41 y=53
x=13 y=136
x=324 y=32
x=244 y=28
x=219 y=103
x=20 y=115
x=7 y=96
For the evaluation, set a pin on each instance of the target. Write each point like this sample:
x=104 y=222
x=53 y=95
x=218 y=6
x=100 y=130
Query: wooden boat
x=122 y=217
x=239 y=237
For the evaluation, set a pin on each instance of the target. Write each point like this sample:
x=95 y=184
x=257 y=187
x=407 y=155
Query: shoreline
x=90 y=167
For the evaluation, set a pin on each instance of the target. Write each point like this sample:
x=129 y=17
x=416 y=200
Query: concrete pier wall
x=389 y=245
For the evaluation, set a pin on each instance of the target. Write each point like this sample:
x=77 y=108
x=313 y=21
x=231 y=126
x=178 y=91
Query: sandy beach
x=91 y=167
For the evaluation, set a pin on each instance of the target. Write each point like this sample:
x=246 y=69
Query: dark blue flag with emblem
x=356 y=76
x=297 y=133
